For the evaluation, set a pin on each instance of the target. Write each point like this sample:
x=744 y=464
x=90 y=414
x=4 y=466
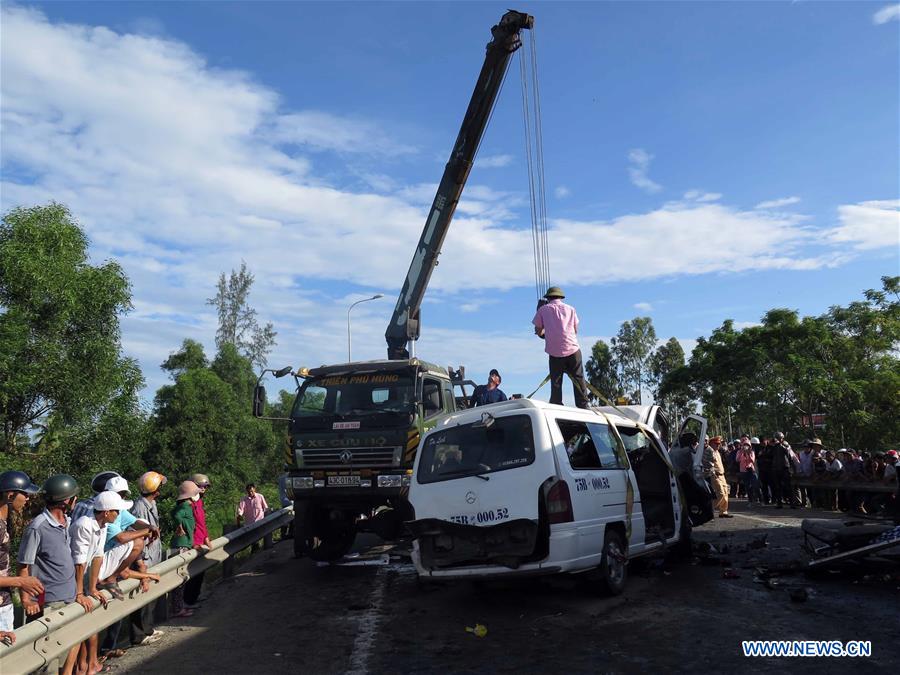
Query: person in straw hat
x=557 y=323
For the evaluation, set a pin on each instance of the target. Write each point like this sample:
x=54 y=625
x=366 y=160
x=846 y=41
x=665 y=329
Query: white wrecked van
x=528 y=488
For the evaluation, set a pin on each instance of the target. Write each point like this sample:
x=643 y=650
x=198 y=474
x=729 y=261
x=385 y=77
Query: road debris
x=480 y=630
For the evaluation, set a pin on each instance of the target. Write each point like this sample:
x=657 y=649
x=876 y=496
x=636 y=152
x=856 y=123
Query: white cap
x=117 y=484
x=111 y=501
x=754 y=441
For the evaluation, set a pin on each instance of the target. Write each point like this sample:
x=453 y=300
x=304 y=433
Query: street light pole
x=374 y=297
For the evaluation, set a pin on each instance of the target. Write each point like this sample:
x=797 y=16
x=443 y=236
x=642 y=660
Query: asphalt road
x=284 y=615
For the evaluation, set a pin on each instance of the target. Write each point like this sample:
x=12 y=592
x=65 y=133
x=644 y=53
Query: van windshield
x=476 y=449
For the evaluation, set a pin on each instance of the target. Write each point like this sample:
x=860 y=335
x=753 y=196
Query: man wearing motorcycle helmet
x=45 y=551
x=85 y=507
x=16 y=489
x=145 y=509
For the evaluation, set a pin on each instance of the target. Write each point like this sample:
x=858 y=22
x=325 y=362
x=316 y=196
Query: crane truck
x=354 y=427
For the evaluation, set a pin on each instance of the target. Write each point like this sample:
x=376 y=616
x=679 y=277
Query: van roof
x=637 y=413
x=472 y=414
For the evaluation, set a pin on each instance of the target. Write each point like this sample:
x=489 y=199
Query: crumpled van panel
x=445 y=544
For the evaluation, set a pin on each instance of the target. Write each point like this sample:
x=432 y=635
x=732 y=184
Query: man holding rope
x=557 y=322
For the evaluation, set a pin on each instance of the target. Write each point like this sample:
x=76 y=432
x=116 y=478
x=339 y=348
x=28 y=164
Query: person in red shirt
x=201 y=541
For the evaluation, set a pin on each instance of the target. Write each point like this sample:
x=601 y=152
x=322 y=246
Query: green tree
x=602 y=372
x=202 y=423
x=59 y=328
x=632 y=347
x=676 y=397
x=238 y=324
x=191 y=355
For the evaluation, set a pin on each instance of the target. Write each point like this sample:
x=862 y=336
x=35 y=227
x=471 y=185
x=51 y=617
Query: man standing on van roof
x=558 y=323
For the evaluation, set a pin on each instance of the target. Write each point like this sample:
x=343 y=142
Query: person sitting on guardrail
x=201 y=540
x=126 y=538
x=44 y=551
x=150 y=483
x=85 y=506
x=183 y=537
x=252 y=509
x=16 y=489
x=87 y=536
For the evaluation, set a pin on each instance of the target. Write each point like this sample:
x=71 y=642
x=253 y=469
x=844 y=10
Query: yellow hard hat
x=151 y=482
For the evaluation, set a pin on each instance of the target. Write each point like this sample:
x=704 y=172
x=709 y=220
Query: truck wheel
x=613 y=568
x=331 y=542
x=301 y=528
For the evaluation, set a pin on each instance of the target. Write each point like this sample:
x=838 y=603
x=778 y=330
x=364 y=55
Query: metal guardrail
x=44 y=643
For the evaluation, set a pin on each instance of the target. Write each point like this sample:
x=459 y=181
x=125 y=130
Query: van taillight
x=559 y=503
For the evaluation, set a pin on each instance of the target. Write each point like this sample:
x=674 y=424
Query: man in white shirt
x=87 y=537
x=833 y=465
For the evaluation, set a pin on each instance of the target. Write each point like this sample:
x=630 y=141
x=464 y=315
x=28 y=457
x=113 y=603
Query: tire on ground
x=614 y=565
x=318 y=537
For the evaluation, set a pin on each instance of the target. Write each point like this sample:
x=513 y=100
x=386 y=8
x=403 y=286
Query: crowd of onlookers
x=769 y=471
x=74 y=549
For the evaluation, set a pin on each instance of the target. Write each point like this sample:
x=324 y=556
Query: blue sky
x=704 y=161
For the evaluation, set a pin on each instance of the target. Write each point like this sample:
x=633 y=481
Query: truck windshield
x=475 y=449
x=363 y=394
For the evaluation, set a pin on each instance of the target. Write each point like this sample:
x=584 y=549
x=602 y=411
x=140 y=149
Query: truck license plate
x=343 y=481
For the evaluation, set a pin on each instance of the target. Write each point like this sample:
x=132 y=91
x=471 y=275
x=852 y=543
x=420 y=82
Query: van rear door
x=475 y=492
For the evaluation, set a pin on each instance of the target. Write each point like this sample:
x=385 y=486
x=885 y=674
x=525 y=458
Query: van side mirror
x=259 y=401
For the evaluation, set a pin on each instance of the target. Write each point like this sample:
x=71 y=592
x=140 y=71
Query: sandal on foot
x=113 y=589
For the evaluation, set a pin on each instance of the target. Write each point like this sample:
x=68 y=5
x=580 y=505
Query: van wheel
x=613 y=568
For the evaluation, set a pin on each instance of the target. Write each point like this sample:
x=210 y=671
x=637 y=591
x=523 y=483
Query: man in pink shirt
x=252 y=508
x=558 y=323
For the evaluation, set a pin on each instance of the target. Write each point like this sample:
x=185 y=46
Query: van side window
x=431 y=398
x=637 y=445
x=605 y=443
x=579 y=445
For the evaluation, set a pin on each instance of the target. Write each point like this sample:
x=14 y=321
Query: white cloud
x=643 y=306
x=494 y=161
x=700 y=196
x=868 y=225
x=318 y=130
x=179 y=171
x=741 y=325
x=640 y=163
x=886 y=13
x=777 y=203
x=561 y=192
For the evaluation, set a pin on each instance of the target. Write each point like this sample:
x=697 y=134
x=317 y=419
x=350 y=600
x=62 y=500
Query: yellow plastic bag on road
x=480 y=630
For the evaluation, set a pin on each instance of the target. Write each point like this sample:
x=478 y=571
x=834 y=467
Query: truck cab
x=353 y=434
